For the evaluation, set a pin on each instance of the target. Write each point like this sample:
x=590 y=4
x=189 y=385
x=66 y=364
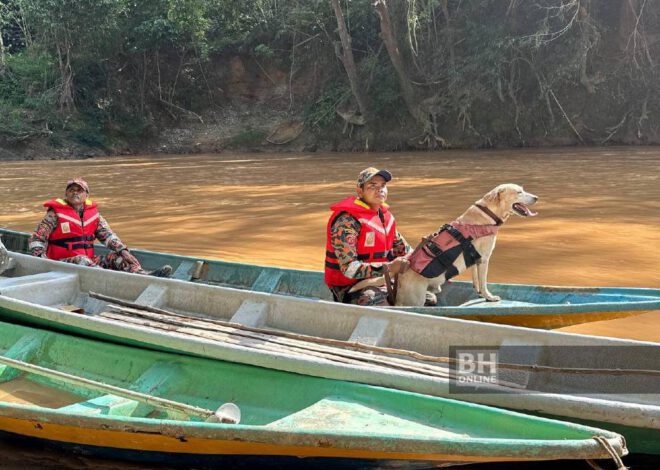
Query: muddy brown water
x=598 y=222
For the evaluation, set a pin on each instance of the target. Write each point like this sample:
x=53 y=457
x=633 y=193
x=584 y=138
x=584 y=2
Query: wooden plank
x=275 y=344
x=270 y=335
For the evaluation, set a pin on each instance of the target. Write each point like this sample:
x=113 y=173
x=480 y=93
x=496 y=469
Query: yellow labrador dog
x=467 y=242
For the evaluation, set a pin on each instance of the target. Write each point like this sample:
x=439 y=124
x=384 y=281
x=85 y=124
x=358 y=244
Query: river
x=598 y=222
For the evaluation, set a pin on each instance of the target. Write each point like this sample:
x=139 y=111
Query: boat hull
x=570 y=396
x=549 y=321
x=284 y=416
x=543 y=307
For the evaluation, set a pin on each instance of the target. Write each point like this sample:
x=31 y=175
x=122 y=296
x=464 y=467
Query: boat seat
x=189 y=270
x=161 y=377
x=50 y=288
x=251 y=313
x=370 y=330
x=153 y=296
x=24 y=350
x=267 y=281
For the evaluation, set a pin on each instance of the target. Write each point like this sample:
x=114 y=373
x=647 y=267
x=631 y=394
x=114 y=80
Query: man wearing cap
x=71 y=225
x=362 y=241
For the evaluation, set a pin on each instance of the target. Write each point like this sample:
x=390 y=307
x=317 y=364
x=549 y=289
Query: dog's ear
x=493 y=195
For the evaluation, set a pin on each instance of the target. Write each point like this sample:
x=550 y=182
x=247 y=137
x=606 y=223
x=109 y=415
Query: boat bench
x=50 y=288
x=161 y=377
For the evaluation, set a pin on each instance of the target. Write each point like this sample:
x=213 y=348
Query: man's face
x=75 y=195
x=374 y=192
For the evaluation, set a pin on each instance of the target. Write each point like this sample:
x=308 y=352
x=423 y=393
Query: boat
x=122 y=402
x=605 y=382
x=533 y=306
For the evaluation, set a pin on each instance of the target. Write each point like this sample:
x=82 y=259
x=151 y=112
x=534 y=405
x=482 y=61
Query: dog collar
x=490 y=214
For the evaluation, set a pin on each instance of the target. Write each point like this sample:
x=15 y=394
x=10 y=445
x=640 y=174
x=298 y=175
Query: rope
x=610 y=450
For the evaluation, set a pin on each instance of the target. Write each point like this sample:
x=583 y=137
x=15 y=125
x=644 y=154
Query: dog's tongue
x=524 y=209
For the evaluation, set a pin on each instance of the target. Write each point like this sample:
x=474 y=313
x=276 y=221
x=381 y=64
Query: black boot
x=163 y=271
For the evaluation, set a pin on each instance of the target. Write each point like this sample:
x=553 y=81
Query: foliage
x=101 y=70
x=323 y=112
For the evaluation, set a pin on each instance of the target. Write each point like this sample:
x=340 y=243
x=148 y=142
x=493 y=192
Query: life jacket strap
x=470 y=253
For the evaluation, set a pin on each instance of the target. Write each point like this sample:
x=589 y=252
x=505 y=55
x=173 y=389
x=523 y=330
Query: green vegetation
x=445 y=72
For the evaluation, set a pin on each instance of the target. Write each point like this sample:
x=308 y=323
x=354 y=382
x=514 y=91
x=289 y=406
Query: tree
x=346 y=57
x=423 y=111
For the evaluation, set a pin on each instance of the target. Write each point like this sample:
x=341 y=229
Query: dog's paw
x=492 y=298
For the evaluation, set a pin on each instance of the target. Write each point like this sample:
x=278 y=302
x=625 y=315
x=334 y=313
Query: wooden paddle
x=227 y=413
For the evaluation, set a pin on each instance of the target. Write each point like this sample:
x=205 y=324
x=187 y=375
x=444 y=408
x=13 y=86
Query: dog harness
x=437 y=253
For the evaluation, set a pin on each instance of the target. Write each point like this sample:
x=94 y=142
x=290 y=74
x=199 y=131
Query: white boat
x=611 y=383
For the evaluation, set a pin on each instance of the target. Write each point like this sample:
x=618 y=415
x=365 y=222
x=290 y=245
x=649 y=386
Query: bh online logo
x=474 y=367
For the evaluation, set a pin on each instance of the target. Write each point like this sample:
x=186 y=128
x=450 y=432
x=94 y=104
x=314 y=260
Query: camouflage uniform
x=344 y=234
x=39 y=241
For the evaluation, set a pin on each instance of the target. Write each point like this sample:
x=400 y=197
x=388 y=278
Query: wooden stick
x=379 y=349
x=285 y=334
x=334 y=355
x=290 y=347
x=157 y=402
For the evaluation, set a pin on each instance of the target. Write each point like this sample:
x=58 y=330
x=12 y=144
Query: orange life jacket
x=374 y=243
x=73 y=236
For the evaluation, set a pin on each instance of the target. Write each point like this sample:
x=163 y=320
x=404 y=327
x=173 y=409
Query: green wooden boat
x=533 y=306
x=608 y=381
x=118 y=401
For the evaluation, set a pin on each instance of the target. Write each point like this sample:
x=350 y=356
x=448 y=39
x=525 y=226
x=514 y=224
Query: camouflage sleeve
x=106 y=236
x=400 y=246
x=344 y=235
x=38 y=241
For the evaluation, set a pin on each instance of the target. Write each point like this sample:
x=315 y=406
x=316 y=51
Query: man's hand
x=399 y=266
x=128 y=256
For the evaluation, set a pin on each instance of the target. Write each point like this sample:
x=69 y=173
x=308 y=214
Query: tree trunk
x=450 y=33
x=391 y=44
x=2 y=55
x=589 y=40
x=66 y=73
x=420 y=110
x=346 y=57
